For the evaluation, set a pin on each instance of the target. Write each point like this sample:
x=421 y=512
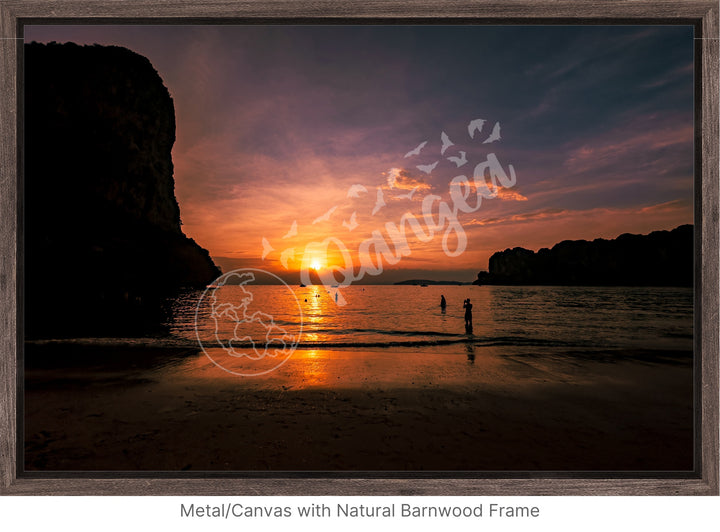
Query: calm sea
x=387 y=316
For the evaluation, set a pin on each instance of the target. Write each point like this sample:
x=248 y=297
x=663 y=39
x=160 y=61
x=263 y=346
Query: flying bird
x=325 y=217
x=355 y=190
x=416 y=151
x=267 y=248
x=475 y=125
x=427 y=168
x=495 y=135
x=409 y=195
x=293 y=230
x=352 y=224
x=459 y=161
x=288 y=254
x=380 y=203
x=446 y=142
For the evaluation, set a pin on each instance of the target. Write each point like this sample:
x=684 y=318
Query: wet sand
x=135 y=408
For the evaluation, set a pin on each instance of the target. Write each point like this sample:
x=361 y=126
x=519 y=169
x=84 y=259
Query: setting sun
x=315 y=265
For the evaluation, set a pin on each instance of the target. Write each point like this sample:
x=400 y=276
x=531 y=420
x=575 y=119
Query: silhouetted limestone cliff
x=103 y=243
x=662 y=258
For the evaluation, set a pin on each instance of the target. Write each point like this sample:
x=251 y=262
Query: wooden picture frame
x=703 y=14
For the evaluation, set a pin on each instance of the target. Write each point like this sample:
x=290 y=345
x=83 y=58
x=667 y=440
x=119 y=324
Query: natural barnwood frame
x=703 y=14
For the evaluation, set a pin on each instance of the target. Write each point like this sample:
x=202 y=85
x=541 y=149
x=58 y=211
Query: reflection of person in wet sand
x=470 y=353
x=468 y=314
x=443 y=303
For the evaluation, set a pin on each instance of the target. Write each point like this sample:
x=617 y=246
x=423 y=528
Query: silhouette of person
x=468 y=314
x=443 y=303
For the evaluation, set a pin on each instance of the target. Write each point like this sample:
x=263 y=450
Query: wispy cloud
x=275 y=123
x=403 y=179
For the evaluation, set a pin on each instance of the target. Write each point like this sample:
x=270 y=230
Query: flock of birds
x=356 y=191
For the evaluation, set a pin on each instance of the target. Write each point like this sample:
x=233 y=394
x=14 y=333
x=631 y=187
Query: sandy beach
x=456 y=408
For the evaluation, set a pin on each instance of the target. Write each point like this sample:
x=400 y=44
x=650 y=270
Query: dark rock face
x=662 y=258
x=103 y=243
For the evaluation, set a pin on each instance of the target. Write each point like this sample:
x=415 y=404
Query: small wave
x=530 y=342
x=380 y=343
x=420 y=341
x=429 y=341
x=383 y=332
x=165 y=341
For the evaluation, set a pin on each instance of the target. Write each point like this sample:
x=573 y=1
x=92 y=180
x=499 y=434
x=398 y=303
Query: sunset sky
x=275 y=124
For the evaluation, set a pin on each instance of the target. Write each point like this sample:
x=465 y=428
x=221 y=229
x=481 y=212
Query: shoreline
x=531 y=409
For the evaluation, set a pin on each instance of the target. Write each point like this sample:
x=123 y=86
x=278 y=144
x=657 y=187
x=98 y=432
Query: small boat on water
x=302 y=285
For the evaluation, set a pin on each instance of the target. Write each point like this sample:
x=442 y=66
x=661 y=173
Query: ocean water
x=406 y=316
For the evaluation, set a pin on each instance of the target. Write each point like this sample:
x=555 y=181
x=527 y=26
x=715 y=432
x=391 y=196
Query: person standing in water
x=468 y=315
x=443 y=303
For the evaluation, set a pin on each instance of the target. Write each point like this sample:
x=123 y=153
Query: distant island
x=661 y=258
x=421 y=282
